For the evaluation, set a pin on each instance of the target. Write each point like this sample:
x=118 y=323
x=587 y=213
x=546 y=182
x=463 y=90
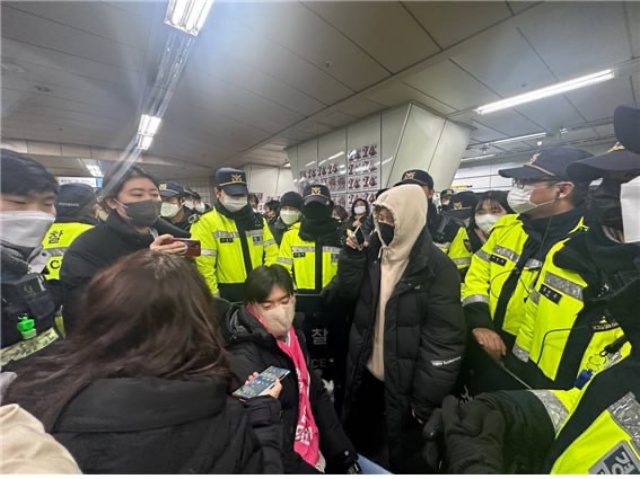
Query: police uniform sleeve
x=476 y=289
x=285 y=255
x=203 y=230
x=269 y=244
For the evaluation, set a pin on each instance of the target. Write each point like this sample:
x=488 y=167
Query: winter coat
x=159 y=426
x=424 y=330
x=253 y=349
x=97 y=249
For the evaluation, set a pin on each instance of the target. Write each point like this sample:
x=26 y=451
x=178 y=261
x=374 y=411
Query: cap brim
x=626 y=123
x=317 y=199
x=595 y=167
x=168 y=193
x=411 y=182
x=236 y=190
x=523 y=173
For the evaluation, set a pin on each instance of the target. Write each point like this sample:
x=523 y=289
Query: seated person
x=142 y=386
x=262 y=333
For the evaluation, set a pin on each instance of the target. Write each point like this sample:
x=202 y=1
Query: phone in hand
x=261 y=383
x=359 y=235
x=193 y=246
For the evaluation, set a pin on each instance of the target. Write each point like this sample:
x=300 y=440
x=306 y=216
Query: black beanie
x=291 y=199
x=73 y=199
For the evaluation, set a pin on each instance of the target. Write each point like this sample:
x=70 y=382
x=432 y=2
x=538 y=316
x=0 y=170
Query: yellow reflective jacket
x=224 y=262
x=555 y=342
x=57 y=240
x=300 y=259
x=490 y=268
x=460 y=250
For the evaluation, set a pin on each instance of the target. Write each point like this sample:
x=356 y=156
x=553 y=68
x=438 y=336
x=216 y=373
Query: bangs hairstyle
x=150 y=314
x=263 y=279
x=117 y=176
x=496 y=198
x=20 y=175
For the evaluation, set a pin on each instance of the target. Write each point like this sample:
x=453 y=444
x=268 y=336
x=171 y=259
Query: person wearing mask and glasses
x=133 y=224
x=235 y=239
x=489 y=208
x=29 y=302
x=289 y=216
x=174 y=207
x=549 y=207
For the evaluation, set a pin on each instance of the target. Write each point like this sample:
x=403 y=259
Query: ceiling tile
x=452 y=22
x=579 y=135
x=518 y=6
x=510 y=122
x=360 y=107
x=372 y=24
x=398 y=93
x=452 y=86
x=482 y=133
x=506 y=63
x=598 y=101
x=577 y=38
x=551 y=113
x=292 y=25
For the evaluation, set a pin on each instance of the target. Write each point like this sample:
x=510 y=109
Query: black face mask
x=317 y=211
x=387 y=232
x=604 y=204
x=143 y=213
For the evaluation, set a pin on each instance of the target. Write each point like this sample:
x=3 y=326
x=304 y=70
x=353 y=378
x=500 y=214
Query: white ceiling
x=265 y=75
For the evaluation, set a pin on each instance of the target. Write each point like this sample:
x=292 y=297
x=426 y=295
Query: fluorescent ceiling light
x=144 y=142
x=149 y=125
x=337 y=155
x=515 y=139
x=93 y=167
x=287 y=165
x=546 y=92
x=481 y=157
x=188 y=15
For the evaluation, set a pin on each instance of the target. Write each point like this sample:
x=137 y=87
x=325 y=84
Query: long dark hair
x=353 y=207
x=151 y=314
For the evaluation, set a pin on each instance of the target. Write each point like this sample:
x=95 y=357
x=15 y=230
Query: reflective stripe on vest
x=626 y=412
x=475 y=298
x=209 y=252
x=483 y=254
x=27 y=347
x=226 y=234
x=507 y=253
x=520 y=353
x=461 y=261
x=557 y=411
x=285 y=260
x=563 y=285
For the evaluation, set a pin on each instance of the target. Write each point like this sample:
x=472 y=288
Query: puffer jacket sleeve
x=351 y=269
x=264 y=417
x=442 y=338
x=334 y=443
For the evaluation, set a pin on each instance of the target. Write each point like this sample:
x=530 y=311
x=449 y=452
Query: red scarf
x=307 y=441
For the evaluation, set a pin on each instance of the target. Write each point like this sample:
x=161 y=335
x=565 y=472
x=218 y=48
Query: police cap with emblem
x=616 y=159
x=416 y=177
x=232 y=181
x=317 y=194
x=171 y=189
x=550 y=163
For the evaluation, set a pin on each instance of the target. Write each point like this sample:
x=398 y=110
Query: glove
x=470 y=438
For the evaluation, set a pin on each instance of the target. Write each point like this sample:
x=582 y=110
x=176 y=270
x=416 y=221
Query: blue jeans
x=369 y=467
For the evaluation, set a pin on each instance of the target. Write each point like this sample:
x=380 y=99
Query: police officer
x=174 y=209
x=445 y=199
x=289 y=217
x=456 y=217
x=550 y=207
x=27 y=211
x=75 y=206
x=310 y=253
x=567 y=330
x=234 y=238
x=425 y=181
x=589 y=429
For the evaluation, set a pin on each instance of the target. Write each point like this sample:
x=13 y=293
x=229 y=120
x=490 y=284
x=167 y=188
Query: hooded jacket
x=253 y=349
x=408 y=314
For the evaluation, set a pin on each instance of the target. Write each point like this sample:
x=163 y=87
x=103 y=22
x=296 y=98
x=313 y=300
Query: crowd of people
x=485 y=332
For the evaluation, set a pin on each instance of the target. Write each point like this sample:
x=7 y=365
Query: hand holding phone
x=357 y=239
x=265 y=383
x=193 y=246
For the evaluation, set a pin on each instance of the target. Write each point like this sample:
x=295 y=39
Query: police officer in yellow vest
x=591 y=429
x=549 y=208
x=234 y=238
x=75 y=214
x=567 y=330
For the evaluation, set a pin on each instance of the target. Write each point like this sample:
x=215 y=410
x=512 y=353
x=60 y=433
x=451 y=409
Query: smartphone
x=360 y=238
x=193 y=246
x=261 y=383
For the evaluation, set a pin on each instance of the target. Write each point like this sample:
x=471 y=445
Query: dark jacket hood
x=240 y=325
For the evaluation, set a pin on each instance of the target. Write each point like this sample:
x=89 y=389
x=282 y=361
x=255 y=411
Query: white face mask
x=485 y=222
x=234 y=203
x=279 y=319
x=629 y=201
x=169 y=210
x=360 y=210
x=25 y=229
x=199 y=207
x=189 y=204
x=289 y=217
x=519 y=199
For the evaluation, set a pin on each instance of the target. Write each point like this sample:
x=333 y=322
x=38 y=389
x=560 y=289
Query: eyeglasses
x=522 y=183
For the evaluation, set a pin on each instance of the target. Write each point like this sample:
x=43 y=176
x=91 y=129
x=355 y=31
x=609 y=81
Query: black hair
x=273 y=205
x=253 y=196
x=263 y=279
x=496 y=197
x=196 y=196
x=117 y=176
x=579 y=193
x=21 y=175
x=342 y=213
x=353 y=206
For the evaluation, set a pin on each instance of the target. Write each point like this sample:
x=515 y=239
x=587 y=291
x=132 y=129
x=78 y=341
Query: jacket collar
x=243 y=326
